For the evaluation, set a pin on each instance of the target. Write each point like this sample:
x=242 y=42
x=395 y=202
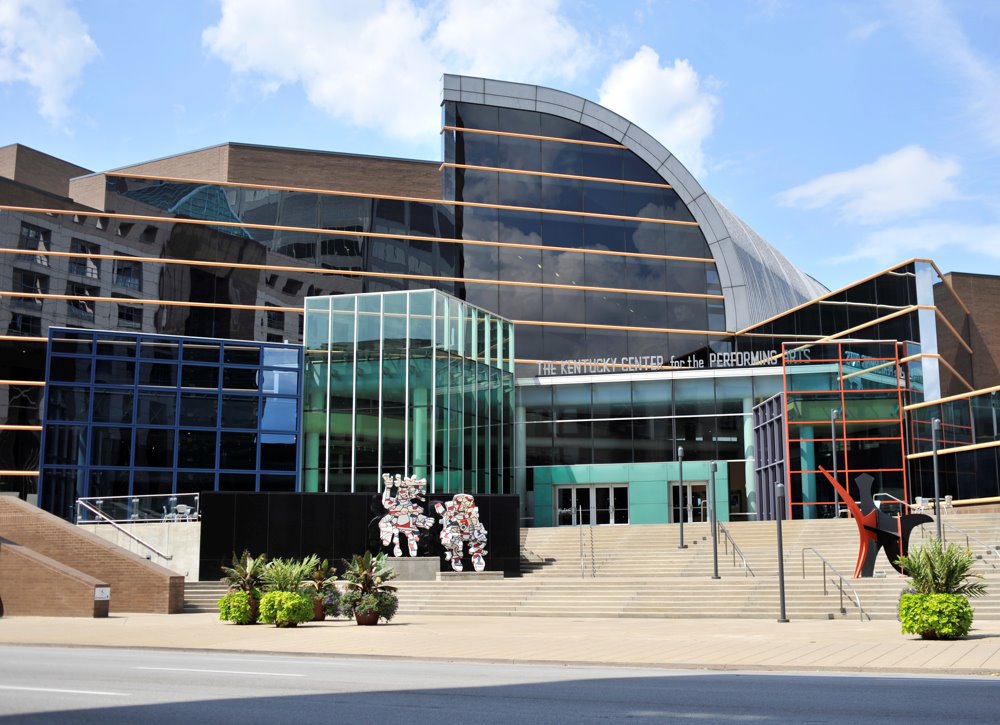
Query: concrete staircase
x=203 y=596
x=638 y=571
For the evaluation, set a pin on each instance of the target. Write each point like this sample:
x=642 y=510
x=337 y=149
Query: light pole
x=780 y=493
x=715 y=533
x=680 y=475
x=834 y=414
x=935 y=429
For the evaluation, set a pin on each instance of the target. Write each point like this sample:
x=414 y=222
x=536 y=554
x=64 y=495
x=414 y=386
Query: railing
x=891 y=501
x=841 y=582
x=80 y=504
x=138 y=509
x=727 y=539
x=945 y=525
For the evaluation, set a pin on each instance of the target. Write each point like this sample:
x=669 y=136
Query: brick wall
x=35 y=585
x=137 y=585
x=981 y=294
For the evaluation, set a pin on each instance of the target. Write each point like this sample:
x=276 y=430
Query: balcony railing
x=138 y=509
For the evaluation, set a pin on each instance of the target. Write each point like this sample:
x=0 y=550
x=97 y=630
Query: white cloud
x=523 y=40
x=904 y=183
x=936 y=239
x=45 y=44
x=669 y=102
x=863 y=32
x=378 y=64
x=936 y=32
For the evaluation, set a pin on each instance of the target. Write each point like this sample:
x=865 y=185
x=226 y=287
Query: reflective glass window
x=562 y=305
x=602 y=198
x=238 y=450
x=239 y=378
x=281 y=413
x=238 y=355
x=111 y=447
x=158 y=374
x=239 y=411
x=196 y=449
x=114 y=371
x=64 y=403
x=519 y=189
x=277 y=453
x=201 y=352
x=199 y=409
x=481 y=187
x=519 y=153
x=154 y=447
x=559 y=193
x=70 y=369
x=200 y=376
x=112 y=406
x=65 y=445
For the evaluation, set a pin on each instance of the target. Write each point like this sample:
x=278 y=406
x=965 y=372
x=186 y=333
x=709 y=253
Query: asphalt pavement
x=78 y=685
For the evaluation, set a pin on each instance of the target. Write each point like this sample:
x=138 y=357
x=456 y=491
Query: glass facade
x=844 y=404
x=969 y=458
x=133 y=415
x=611 y=260
x=416 y=383
x=625 y=346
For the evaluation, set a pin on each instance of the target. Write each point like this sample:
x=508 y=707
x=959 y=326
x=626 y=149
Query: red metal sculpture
x=878 y=530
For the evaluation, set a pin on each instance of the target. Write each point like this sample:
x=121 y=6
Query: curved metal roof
x=758 y=281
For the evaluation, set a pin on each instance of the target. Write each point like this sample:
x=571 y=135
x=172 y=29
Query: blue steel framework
x=132 y=414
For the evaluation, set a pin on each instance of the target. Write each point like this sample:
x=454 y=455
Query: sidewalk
x=748 y=644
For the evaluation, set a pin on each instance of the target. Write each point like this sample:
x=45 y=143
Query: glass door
x=695 y=502
x=586 y=505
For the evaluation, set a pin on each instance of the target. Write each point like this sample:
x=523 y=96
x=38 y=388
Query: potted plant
x=368 y=597
x=936 y=605
x=241 y=602
x=287 y=601
x=326 y=598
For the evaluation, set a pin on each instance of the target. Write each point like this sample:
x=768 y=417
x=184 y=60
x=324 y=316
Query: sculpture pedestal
x=415 y=568
x=444 y=576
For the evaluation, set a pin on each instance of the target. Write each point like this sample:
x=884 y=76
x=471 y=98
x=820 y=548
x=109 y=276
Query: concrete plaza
x=717 y=644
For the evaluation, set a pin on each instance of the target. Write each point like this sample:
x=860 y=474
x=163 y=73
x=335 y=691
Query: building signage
x=716 y=360
x=102 y=594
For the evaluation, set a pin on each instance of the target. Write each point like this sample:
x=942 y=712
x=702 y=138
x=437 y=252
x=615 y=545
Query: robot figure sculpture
x=406 y=515
x=460 y=523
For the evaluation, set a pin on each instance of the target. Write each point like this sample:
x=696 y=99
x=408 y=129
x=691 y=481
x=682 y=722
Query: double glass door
x=587 y=505
x=694 y=504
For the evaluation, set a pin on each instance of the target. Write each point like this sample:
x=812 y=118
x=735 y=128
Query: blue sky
x=851 y=135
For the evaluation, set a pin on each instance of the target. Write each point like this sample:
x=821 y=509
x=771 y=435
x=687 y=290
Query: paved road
x=83 y=685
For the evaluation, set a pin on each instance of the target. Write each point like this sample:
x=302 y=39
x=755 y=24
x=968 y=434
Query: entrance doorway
x=589 y=505
x=695 y=502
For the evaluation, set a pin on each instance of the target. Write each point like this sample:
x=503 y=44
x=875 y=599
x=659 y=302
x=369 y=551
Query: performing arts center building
x=553 y=310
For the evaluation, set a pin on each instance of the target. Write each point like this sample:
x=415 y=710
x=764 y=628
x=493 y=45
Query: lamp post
x=935 y=429
x=834 y=414
x=715 y=533
x=780 y=493
x=680 y=475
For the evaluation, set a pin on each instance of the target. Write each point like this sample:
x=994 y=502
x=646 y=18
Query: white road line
x=220 y=672
x=65 y=692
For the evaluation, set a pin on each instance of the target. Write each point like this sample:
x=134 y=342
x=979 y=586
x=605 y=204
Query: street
x=90 y=685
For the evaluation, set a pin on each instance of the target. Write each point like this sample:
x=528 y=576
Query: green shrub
x=937 y=569
x=382 y=603
x=368 y=592
x=285 y=609
x=235 y=607
x=935 y=616
x=245 y=573
x=289 y=575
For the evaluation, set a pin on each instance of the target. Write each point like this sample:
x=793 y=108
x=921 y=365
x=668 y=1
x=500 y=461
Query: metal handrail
x=968 y=537
x=879 y=496
x=100 y=514
x=728 y=539
x=840 y=583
